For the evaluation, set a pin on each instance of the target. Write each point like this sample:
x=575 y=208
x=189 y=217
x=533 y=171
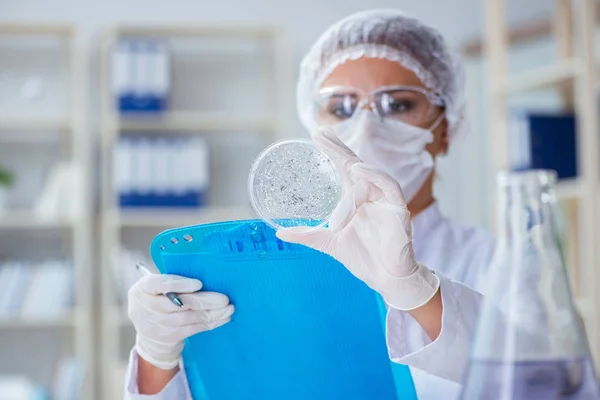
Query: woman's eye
x=341 y=107
x=340 y=112
x=399 y=106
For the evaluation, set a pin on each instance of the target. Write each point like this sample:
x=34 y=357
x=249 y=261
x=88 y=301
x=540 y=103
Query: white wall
x=457 y=19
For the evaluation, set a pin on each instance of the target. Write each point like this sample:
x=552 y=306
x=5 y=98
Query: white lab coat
x=460 y=256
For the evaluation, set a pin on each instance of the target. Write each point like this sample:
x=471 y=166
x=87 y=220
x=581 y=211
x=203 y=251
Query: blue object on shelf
x=148 y=172
x=189 y=199
x=304 y=327
x=141 y=75
x=545 y=141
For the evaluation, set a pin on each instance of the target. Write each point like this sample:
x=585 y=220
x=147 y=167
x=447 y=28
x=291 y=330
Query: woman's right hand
x=161 y=326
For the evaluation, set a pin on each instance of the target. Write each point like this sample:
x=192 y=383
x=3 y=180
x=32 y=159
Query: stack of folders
x=66 y=385
x=141 y=76
x=161 y=172
x=35 y=290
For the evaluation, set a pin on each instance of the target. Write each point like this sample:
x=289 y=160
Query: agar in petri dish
x=292 y=183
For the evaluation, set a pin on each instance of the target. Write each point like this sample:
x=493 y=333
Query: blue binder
x=304 y=327
x=545 y=141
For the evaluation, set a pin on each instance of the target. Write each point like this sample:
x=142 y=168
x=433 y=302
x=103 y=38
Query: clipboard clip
x=252 y=236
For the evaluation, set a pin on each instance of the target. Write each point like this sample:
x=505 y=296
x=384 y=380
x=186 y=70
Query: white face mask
x=395 y=147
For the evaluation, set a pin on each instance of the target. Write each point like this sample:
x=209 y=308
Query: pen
x=172 y=296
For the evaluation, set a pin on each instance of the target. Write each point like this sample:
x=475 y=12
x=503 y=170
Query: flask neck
x=527 y=203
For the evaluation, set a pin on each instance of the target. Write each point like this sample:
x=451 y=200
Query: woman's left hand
x=369 y=231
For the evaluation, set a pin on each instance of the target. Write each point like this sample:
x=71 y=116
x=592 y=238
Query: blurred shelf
x=36 y=29
x=584 y=306
x=125 y=321
x=68 y=321
x=169 y=218
x=570 y=189
x=35 y=124
x=543 y=77
x=35 y=138
x=120 y=317
x=116 y=378
x=18 y=219
x=204 y=30
x=193 y=121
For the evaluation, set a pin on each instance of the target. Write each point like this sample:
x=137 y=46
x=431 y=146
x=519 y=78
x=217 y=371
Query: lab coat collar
x=425 y=221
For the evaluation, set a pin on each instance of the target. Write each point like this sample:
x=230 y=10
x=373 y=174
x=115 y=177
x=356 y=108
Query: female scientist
x=393 y=93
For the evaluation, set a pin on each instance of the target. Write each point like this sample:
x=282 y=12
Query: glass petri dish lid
x=292 y=183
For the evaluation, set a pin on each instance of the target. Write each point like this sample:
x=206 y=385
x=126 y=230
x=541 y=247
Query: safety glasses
x=410 y=104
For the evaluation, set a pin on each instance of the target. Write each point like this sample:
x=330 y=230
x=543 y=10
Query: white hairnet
x=394 y=36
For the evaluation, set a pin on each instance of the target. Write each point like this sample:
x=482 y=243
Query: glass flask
x=530 y=341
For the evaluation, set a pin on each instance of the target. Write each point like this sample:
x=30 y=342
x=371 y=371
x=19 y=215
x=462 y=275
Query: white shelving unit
x=270 y=50
x=575 y=74
x=75 y=332
x=37 y=124
x=195 y=121
x=28 y=220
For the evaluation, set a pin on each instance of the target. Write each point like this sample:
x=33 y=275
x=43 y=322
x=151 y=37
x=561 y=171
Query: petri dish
x=292 y=183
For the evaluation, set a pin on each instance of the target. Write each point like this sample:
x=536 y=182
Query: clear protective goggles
x=410 y=104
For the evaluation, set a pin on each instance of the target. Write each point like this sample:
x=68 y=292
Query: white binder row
x=35 y=290
x=141 y=75
x=161 y=168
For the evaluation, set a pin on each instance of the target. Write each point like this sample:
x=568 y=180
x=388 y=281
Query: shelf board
x=17 y=219
x=166 y=218
x=204 y=30
x=121 y=317
x=542 y=77
x=570 y=189
x=34 y=124
x=584 y=306
x=192 y=121
x=26 y=28
x=67 y=321
x=118 y=316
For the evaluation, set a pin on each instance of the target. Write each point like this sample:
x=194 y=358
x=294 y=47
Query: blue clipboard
x=304 y=327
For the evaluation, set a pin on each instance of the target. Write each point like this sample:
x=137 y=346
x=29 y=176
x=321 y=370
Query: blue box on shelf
x=544 y=141
x=189 y=199
x=141 y=76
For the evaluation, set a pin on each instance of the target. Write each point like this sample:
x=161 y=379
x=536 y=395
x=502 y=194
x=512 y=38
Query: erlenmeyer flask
x=530 y=342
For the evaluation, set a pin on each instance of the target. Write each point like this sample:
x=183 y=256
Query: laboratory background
x=121 y=119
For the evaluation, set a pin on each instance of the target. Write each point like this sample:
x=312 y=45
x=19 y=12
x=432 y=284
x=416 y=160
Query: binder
x=161 y=78
x=544 y=141
x=184 y=194
x=68 y=380
x=18 y=276
x=304 y=327
x=50 y=293
x=195 y=157
x=145 y=173
x=123 y=169
x=161 y=172
x=122 y=75
x=141 y=76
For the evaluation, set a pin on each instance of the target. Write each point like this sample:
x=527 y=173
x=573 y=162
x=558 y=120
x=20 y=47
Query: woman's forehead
x=368 y=74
